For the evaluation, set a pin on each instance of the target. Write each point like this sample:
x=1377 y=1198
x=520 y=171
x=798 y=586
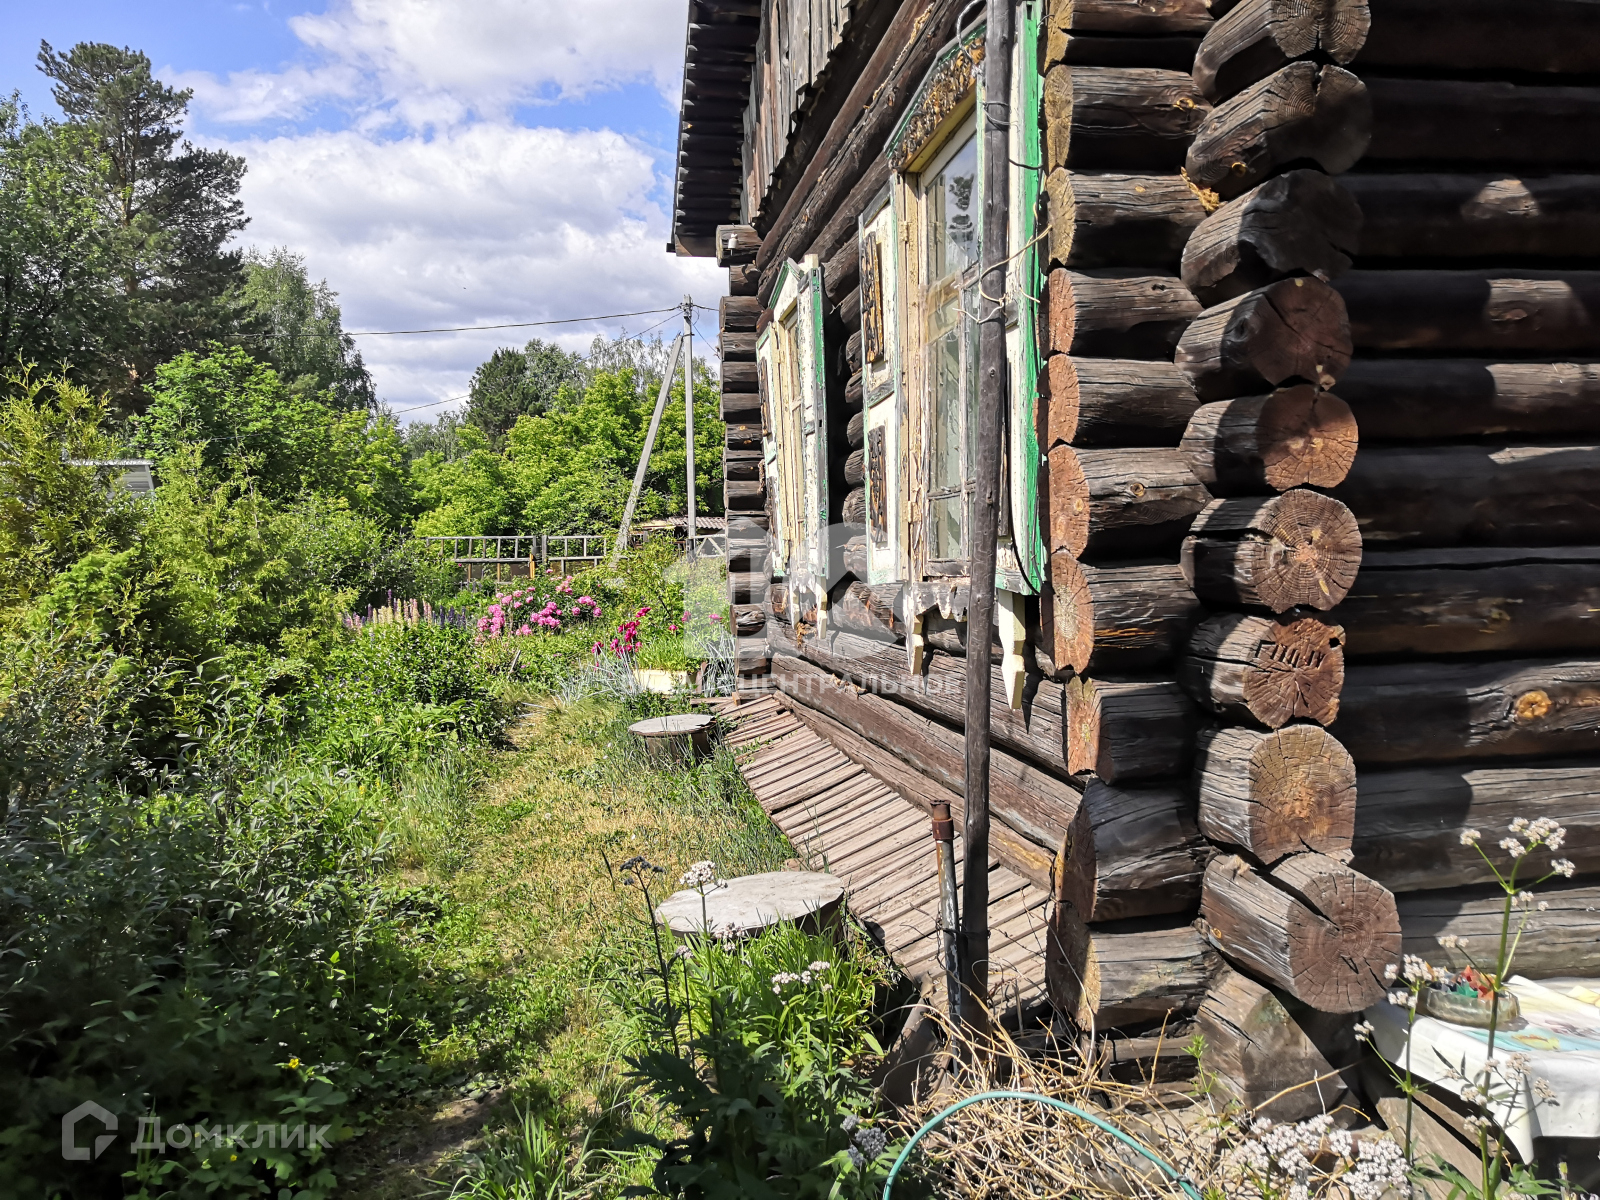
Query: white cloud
x=484 y=223
x=432 y=63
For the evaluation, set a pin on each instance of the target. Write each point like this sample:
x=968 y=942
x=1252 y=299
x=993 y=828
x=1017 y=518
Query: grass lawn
x=523 y=859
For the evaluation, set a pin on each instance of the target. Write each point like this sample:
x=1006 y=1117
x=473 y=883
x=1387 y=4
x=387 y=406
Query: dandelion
x=294 y=1063
x=1469 y=837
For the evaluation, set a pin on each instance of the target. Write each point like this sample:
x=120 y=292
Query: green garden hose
x=1188 y=1188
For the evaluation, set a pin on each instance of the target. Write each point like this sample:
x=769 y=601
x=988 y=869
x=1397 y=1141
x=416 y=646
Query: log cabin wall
x=1318 y=389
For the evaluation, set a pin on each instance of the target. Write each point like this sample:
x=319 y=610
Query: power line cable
x=648 y=312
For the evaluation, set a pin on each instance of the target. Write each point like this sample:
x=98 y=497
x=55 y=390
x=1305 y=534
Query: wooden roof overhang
x=719 y=55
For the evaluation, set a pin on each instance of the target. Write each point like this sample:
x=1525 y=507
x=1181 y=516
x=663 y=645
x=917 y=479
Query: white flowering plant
x=1295 y=1161
x=1501 y=1077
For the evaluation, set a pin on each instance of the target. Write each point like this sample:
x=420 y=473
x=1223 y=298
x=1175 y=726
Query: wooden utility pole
x=692 y=525
x=649 y=445
x=989 y=496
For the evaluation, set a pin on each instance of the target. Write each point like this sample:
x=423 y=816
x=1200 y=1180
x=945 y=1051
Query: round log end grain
x=1269 y=670
x=1277 y=793
x=1294 y=437
x=1061 y=381
x=1300 y=548
x=1292 y=331
x=1072 y=610
x=1312 y=926
x=1083 y=725
x=1069 y=502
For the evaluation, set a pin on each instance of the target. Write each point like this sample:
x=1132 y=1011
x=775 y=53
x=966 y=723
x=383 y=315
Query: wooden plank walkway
x=840 y=817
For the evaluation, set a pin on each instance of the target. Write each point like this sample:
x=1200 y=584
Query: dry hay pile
x=1015 y=1148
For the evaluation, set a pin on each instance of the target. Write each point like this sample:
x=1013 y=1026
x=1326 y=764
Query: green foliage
x=760 y=1050
x=527 y=1161
x=298 y=329
x=50 y=512
x=522 y=383
x=570 y=470
x=158 y=274
x=397 y=695
x=244 y=418
x=181 y=947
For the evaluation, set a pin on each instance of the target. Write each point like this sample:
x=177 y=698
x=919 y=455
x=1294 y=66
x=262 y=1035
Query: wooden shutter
x=880 y=391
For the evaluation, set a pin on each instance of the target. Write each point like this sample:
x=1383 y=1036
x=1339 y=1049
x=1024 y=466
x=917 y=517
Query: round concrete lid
x=666 y=726
x=751 y=902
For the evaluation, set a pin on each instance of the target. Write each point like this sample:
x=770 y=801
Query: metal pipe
x=992 y=390
x=944 y=837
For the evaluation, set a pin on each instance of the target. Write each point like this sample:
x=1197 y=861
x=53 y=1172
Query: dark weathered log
x=745 y=495
x=1138 y=499
x=1132 y=853
x=1560 y=36
x=1037 y=731
x=1474 y=601
x=1254 y=668
x=1171 y=53
x=1101 y=219
x=1409 y=823
x=1258 y=1052
x=853 y=607
x=1507 y=309
x=1125 y=730
x=1116 y=618
x=1440 y=399
x=1032 y=802
x=748 y=619
x=1119 y=118
x=1298 y=548
x=1066 y=17
x=1103 y=979
x=1258 y=37
x=1560 y=939
x=1034 y=863
x=1483 y=494
x=852 y=393
x=1292 y=331
x=1305 y=112
x=1113 y=314
x=737 y=245
x=740 y=404
x=1274 y=794
x=742 y=464
x=736 y=347
x=1497 y=124
x=1116 y=402
x=743 y=281
x=855 y=468
x=850 y=153
x=1477 y=216
x=1311 y=926
x=1417 y=712
x=855 y=430
x=738 y=312
x=748 y=587
x=1293 y=437
x=1299 y=223
x=853 y=510
x=841 y=274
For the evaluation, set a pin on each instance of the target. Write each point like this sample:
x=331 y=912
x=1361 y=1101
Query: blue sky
x=438 y=162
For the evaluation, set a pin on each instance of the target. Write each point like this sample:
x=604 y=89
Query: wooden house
x=1300 y=566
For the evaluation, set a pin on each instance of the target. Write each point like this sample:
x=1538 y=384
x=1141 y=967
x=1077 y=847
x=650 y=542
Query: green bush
x=179 y=947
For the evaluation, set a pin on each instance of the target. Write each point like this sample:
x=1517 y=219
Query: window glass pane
x=952 y=209
x=945 y=519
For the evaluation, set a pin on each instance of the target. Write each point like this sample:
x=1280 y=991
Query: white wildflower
x=1391 y=972
x=1543 y=1090
x=1542 y=905
x=699 y=874
x=1525 y=899
x=820 y=966
x=1469 y=837
x=1564 y=866
x=1518 y=825
x=1363 y=1031
x=1513 y=847
x=1451 y=941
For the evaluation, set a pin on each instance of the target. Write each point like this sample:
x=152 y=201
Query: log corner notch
x=1264 y=670
x=1304 y=112
x=1281 y=552
x=1296 y=436
x=1311 y=926
x=1274 y=794
x=1301 y=222
x=1260 y=1053
x=1292 y=331
x=1255 y=38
